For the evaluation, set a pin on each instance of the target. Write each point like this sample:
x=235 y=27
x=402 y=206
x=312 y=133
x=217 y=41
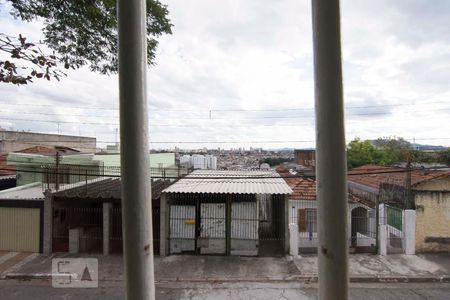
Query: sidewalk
x=363 y=268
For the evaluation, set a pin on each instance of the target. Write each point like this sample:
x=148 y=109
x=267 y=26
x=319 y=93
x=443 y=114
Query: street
x=37 y=290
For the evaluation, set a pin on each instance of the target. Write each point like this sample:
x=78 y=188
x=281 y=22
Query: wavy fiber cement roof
x=230 y=182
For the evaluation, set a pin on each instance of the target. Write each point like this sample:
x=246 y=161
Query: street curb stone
x=303 y=278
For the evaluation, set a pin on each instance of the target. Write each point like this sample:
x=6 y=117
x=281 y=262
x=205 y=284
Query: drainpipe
x=331 y=168
x=135 y=158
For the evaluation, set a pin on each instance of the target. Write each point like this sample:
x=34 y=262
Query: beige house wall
x=433 y=216
x=19 y=229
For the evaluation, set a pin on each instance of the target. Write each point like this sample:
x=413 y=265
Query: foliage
x=394 y=150
x=362 y=152
x=387 y=151
x=41 y=64
x=84 y=32
x=444 y=157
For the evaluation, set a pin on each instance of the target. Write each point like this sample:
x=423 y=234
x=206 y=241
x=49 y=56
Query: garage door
x=19 y=229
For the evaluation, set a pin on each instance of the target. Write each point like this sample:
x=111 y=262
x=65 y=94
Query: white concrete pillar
x=106 y=226
x=286 y=222
x=382 y=215
x=74 y=240
x=409 y=231
x=382 y=249
x=293 y=239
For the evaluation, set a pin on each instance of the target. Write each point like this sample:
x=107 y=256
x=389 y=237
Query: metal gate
x=226 y=224
x=212 y=238
x=88 y=219
x=272 y=225
x=244 y=229
x=394 y=224
x=363 y=230
x=182 y=229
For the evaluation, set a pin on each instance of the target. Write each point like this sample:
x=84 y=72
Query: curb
x=296 y=278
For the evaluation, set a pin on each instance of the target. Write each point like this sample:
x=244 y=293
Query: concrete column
x=382 y=220
x=286 y=224
x=106 y=226
x=164 y=226
x=293 y=239
x=48 y=223
x=382 y=249
x=74 y=240
x=409 y=231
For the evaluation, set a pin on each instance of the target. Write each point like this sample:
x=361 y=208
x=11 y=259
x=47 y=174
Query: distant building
x=199 y=162
x=264 y=166
x=11 y=141
x=113 y=149
x=305 y=158
x=32 y=164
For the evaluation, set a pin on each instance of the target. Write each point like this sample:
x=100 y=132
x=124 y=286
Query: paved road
x=37 y=290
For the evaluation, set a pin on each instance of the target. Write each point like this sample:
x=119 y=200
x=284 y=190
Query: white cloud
x=258 y=55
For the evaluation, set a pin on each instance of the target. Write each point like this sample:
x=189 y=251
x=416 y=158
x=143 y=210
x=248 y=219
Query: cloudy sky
x=239 y=73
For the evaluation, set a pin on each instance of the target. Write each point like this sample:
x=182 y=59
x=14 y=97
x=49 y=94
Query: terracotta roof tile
x=373 y=175
x=303 y=188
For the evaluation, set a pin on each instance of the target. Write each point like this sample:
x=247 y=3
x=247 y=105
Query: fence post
x=48 y=223
x=409 y=231
x=293 y=239
x=106 y=227
x=382 y=240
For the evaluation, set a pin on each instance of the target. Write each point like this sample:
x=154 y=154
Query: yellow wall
x=432 y=221
x=19 y=229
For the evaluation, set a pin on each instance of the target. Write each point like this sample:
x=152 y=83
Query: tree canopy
x=362 y=152
x=387 y=151
x=84 y=32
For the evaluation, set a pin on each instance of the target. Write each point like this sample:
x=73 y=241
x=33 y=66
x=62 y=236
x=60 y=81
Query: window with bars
x=307 y=220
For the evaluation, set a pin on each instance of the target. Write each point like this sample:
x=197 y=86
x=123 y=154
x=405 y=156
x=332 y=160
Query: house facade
x=387 y=187
x=11 y=141
x=226 y=213
x=303 y=212
x=432 y=202
x=22 y=218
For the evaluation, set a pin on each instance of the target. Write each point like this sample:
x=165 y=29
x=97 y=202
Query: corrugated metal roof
x=230 y=182
x=32 y=191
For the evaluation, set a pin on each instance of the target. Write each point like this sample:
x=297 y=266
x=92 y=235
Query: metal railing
x=64 y=176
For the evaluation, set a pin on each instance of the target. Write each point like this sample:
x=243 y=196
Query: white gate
x=212 y=239
x=244 y=229
x=182 y=228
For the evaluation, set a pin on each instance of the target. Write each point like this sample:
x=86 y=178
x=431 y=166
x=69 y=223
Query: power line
x=204 y=118
x=199 y=118
x=216 y=177
x=223 y=110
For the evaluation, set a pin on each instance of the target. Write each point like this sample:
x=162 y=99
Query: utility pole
x=135 y=158
x=331 y=165
x=57 y=158
x=409 y=201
